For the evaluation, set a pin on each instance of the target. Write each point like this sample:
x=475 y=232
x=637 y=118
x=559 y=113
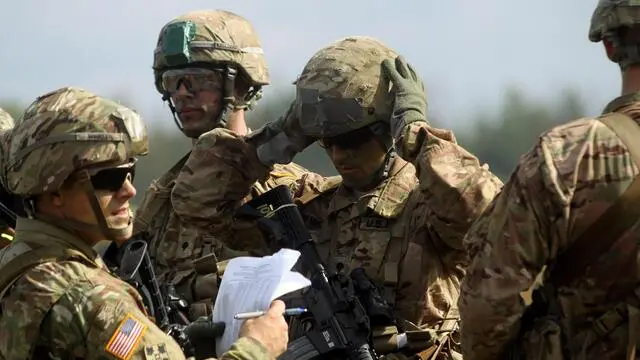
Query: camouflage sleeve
x=246 y=348
x=287 y=174
x=215 y=179
x=535 y=217
x=103 y=322
x=456 y=187
x=222 y=171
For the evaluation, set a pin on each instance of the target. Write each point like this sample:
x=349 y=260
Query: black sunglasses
x=351 y=140
x=112 y=179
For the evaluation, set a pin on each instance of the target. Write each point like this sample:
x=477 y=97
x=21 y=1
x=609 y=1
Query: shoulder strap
x=19 y=265
x=617 y=219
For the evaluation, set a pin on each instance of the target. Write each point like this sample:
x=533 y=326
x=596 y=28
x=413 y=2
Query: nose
x=182 y=91
x=127 y=190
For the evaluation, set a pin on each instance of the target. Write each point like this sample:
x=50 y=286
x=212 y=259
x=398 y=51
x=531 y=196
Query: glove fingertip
x=389 y=69
x=386 y=65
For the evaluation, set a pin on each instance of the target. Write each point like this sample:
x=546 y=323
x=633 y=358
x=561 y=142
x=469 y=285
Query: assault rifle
x=339 y=326
x=135 y=268
x=132 y=264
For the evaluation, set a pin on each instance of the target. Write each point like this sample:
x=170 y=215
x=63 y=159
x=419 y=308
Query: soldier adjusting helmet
x=217 y=40
x=72 y=131
x=611 y=22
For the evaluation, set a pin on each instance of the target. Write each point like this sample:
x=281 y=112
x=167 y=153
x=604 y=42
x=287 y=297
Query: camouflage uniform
x=6 y=125
x=226 y=42
x=563 y=197
x=406 y=232
x=64 y=303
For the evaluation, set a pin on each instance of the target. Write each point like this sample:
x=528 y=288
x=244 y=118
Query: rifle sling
x=602 y=234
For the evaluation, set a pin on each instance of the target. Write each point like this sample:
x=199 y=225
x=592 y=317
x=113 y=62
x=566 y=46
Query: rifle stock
x=136 y=269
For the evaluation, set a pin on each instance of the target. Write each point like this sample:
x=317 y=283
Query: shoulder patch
x=126 y=337
x=156 y=352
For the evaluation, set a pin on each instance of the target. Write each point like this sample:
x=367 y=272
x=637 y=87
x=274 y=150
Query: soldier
x=6 y=124
x=405 y=231
x=73 y=158
x=569 y=216
x=209 y=66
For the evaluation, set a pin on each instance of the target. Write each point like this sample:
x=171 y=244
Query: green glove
x=279 y=141
x=410 y=103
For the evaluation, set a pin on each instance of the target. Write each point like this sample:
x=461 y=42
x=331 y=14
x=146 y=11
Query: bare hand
x=269 y=329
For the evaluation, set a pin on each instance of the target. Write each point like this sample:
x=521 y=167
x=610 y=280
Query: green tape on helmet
x=175 y=44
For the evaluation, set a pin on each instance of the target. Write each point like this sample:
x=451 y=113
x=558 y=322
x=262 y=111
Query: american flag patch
x=126 y=338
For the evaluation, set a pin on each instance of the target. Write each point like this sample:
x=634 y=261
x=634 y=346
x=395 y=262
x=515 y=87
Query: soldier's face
x=113 y=190
x=356 y=156
x=197 y=97
x=197 y=112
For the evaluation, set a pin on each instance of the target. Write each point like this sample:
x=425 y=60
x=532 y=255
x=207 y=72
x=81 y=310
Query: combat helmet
x=342 y=89
x=608 y=18
x=72 y=131
x=212 y=39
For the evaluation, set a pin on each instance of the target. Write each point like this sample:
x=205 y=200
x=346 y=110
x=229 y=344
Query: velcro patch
x=156 y=352
x=126 y=337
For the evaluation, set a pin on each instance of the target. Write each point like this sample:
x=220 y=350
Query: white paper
x=251 y=284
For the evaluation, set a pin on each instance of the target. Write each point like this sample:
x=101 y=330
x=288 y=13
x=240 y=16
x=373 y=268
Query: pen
x=255 y=314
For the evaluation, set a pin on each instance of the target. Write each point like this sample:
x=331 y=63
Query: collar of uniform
x=621 y=101
x=32 y=230
x=387 y=199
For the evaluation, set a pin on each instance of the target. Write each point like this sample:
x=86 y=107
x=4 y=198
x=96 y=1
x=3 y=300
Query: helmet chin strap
x=74 y=225
x=378 y=176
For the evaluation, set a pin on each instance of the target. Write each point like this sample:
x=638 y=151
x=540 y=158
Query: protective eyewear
x=112 y=179
x=193 y=79
x=348 y=141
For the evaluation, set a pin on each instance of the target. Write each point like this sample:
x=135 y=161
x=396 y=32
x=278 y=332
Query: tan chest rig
x=356 y=236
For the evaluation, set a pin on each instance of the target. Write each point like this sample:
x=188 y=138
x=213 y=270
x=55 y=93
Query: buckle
x=609 y=321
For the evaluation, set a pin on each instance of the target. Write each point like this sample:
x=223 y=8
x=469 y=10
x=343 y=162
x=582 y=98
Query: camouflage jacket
x=573 y=173
x=175 y=246
x=77 y=309
x=5 y=137
x=414 y=226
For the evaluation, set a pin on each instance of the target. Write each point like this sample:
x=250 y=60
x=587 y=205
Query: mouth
x=346 y=169
x=123 y=211
x=189 y=111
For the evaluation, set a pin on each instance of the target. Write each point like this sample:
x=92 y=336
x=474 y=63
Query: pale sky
x=467 y=51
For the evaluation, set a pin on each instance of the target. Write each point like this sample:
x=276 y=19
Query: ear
x=57 y=199
x=610 y=49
